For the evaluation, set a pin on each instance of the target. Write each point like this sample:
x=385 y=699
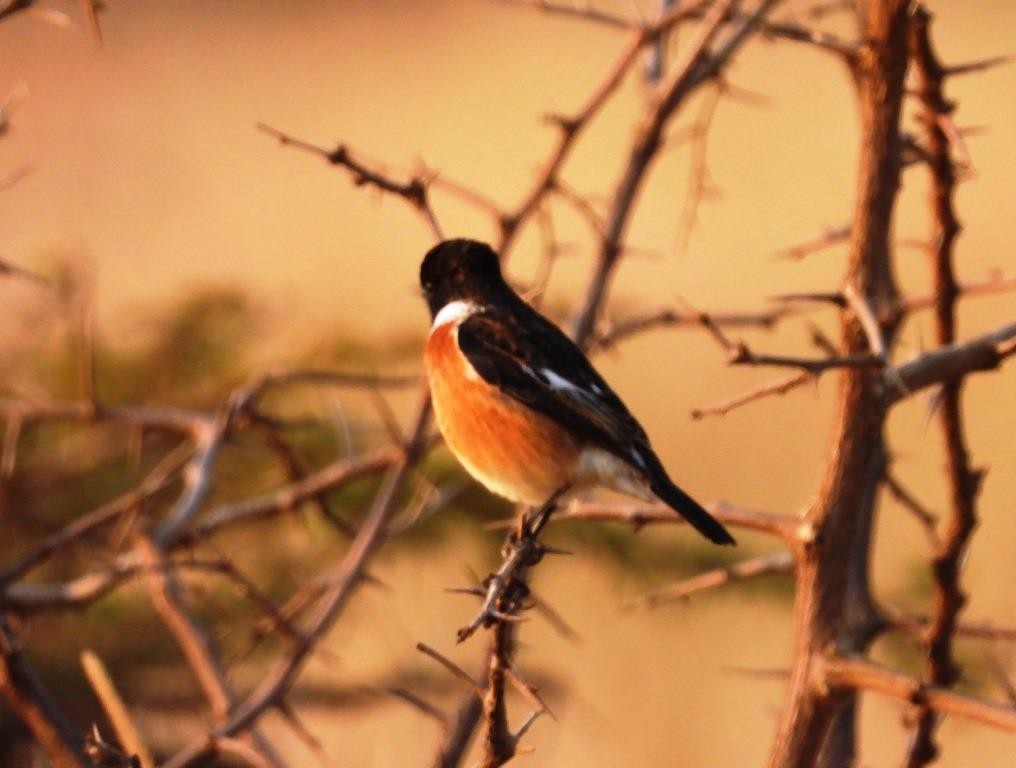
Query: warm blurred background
x=208 y=254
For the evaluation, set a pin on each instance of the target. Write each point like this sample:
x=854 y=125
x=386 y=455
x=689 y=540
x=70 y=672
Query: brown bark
x=940 y=667
x=28 y=698
x=830 y=614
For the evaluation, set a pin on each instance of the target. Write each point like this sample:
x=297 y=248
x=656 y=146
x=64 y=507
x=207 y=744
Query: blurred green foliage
x=193 y=354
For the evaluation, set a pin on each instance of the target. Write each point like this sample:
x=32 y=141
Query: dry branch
x=116 y=711
x=833 y=607
x=413 y=191
x=779 y=387
x=781 y=562
x=784 y=527
x=697 y=65
x=940 y=667
x=27 y=697
x=858 y=673
x=272 y=691
x=619 y=330
x=951 y=363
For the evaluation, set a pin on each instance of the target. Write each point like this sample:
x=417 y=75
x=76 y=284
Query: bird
x=518 y=402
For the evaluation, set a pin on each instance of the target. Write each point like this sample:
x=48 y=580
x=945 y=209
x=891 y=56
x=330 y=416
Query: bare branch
x=859 y=673
x=26 y=695
x=781 y=562
x=992 y=284
x=506 y=589
x=922 y=514
x=291 y=496
x=586 y=12
x=983 y=630
x=779 y=387
x=451 y=666
x=453 y=747
x=697 y=66
x=418 y=703
x=274 y=687
x=115 y=709
x=639 y=515
x=413 y=191
x=951 y=362
x=828 y=237
x=973 y=67
x=833 y=604
x=940 y=667
x=570 y=129
x=160 y=477
x=673 y=318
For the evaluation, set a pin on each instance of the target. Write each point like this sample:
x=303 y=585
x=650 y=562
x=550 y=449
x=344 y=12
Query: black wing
x=531 y=360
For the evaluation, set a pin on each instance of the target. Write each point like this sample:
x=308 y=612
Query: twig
x=940 y=667
x=921 y=513
x=506 y=588
x=274 y=687
x=452 y=749
x=953 y=361
x=586 y=12
x=570 y=129
x=418 y=703
x=296 y=473
x=698 y=175
x=984 y=630
x=10 y=269
x=779 y=387
x=25 y=694
x=865 y=315
x=116 y=710
x=291 y=496
x=414 y=191
x=862 y=674
x=451 y=666
x=697 y=66
x=164 y=473
x=191 y=637
x=673 y=318
x=828 y=237
x=973 y=67
x=992 y=284
x=780 y=562
x=639 y=515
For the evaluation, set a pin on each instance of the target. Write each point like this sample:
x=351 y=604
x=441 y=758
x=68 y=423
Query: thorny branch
x=780 y=562
x=698 y=64
x=870 y=311
x=413 y=191
x=941 y=668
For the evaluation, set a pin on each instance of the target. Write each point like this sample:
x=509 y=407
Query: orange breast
x=514 y=451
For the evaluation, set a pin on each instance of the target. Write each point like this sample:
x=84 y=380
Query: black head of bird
x=460 y=270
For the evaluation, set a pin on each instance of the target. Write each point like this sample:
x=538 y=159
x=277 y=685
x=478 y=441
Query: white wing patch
x=560 y=383
x=454 y=312
x=556 y=381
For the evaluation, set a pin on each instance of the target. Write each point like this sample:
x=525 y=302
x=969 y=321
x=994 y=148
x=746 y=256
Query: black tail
x=690 y=509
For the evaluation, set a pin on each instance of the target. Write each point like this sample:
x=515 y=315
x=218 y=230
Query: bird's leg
x=542 y=515
x=531 y=521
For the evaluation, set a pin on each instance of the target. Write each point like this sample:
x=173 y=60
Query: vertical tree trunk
x=833 y=605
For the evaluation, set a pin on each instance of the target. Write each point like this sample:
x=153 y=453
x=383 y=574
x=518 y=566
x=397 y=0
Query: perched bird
x=517 y=401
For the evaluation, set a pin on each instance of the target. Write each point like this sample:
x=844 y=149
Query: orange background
x=147 y=166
